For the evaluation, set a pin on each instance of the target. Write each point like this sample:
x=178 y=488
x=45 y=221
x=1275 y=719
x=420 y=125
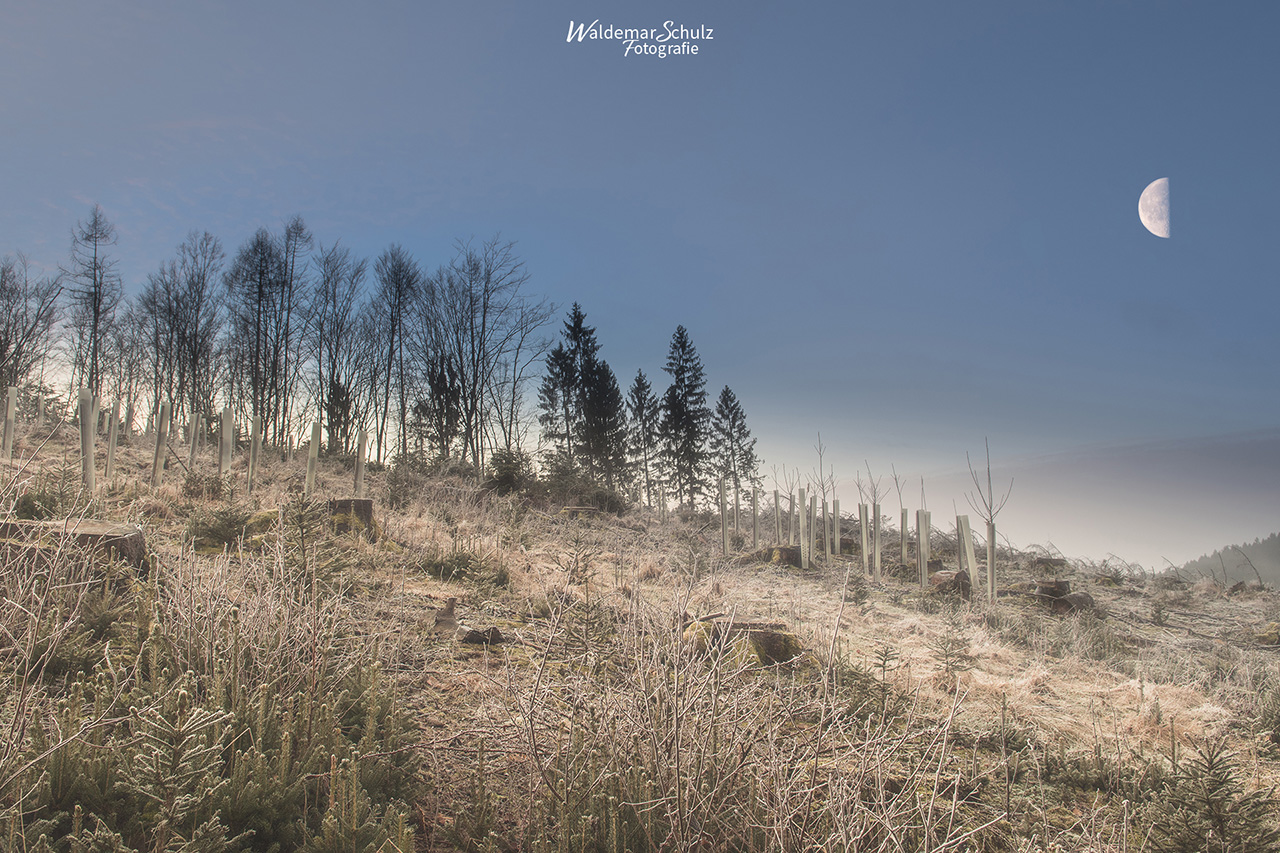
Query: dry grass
x=596 y=726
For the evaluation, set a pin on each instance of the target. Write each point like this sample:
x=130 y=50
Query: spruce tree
x=555 y=401
x=582 y=407
x=733 y=450
x=602 y=427
x=685 y=418
x=642 y=405
x=1207 y=809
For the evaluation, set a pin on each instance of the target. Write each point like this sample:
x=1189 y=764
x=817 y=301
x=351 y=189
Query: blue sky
x=910 y=225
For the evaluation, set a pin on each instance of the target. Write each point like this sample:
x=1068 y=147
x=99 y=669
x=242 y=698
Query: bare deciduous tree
x=525 y=348
x=267 y=283
x=95 y=291
x=399 y=285
x=201 y=316
x=988 y=506
x=335 y=343
x=477 y=318
x=127 y=354
x=29 y=311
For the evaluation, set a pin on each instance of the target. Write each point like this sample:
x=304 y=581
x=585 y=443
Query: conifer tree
x=602 y=428
x=1207 y=809
x=733 y=450
x=441 y=411
x=685 y=418
x=555 y=400
x=582 y=408
x=642 y=405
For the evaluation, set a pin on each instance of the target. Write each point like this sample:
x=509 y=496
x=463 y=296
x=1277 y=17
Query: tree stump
x=768 y=642
x=124 y=542
x=353 y=515
x=487 y=637
x=952 y=583
x=773 y=647
x=783 y=555
x=1053 y=589
x=1074 y=602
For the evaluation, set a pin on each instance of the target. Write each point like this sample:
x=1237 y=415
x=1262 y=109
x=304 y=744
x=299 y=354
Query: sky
x=908 y=227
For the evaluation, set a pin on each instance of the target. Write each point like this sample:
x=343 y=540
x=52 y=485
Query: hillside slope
x=268 y=681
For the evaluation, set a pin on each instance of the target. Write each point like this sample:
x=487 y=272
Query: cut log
x=118 y=541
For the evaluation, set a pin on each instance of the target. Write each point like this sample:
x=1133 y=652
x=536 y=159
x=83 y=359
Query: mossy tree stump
x=785 y=555
x=119 y=541
x=353 y=515
x=769 y=643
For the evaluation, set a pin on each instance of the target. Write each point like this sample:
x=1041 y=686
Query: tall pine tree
x=602 y=428
x=733 y=450
x=642 y=406
x=556 y=401
x=582 y=410
x=685 y=419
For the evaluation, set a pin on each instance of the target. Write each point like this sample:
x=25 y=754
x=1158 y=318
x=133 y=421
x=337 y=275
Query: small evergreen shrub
x=509 y=471
x=455 y=566
x=406 y=481
x=212 y=530
x=1206 y=809
x=210 y=487
x=36 y=505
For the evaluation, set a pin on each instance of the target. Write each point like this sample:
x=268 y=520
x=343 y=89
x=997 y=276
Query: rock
x=1073 y=602
x=952 y=583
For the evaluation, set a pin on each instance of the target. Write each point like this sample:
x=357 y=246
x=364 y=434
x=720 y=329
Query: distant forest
x=1232 y=562
x=436 y=366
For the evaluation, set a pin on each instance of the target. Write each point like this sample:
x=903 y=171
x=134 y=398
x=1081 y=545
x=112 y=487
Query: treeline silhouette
x=1239 y=562
x=436 y=365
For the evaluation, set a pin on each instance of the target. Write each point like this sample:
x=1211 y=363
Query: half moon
x=1153 y=207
